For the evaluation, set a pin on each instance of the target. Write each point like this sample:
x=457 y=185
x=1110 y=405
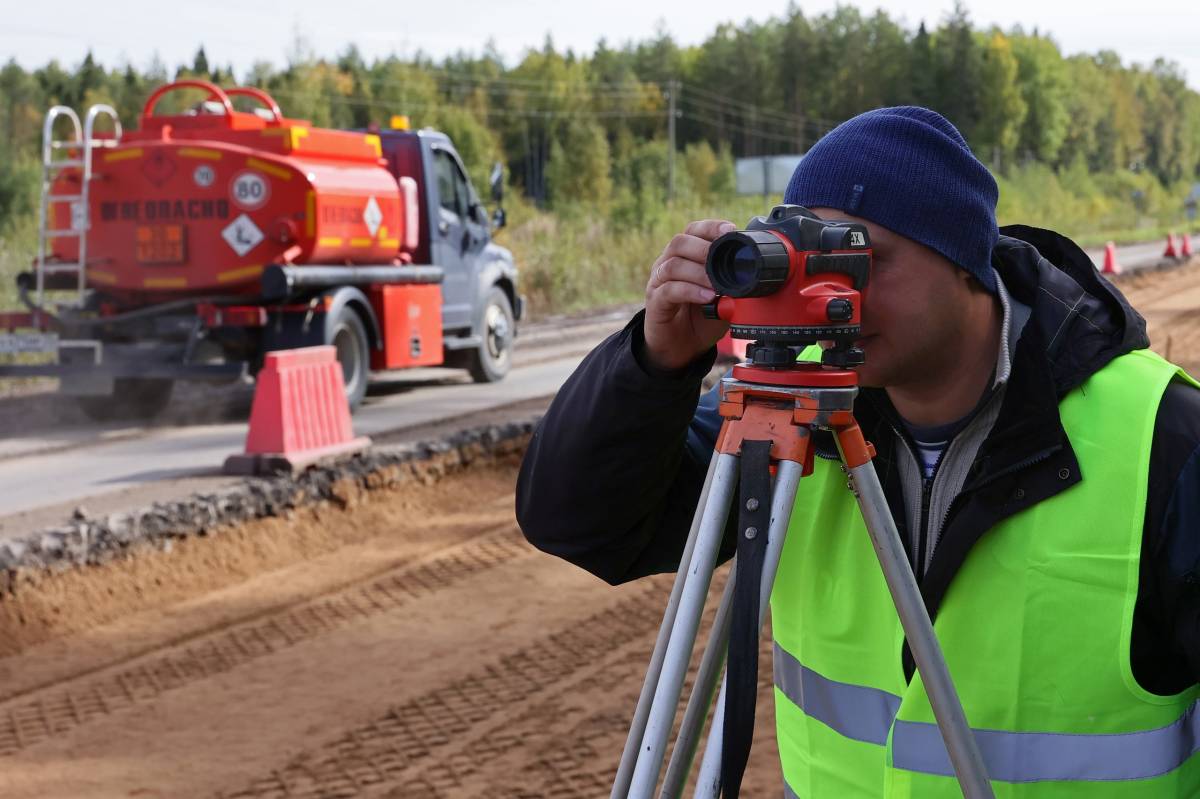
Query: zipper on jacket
x=918 y=535
x=923 y=536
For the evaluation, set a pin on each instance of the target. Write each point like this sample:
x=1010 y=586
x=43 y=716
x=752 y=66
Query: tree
x=957 y=66
x=1085 y=116
x=1001 y=108
x=923 y=69
x=200 y=63
x=1042 y=77
x=578 y=169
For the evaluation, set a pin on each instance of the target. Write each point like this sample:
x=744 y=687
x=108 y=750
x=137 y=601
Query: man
x=1042 y=466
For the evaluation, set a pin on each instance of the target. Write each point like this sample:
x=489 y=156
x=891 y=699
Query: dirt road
x=393 y=643
x=390 y=647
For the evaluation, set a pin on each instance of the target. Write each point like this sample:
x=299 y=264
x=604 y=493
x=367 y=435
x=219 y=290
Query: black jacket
x=614 y=469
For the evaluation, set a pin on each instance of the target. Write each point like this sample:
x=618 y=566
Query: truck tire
x=348 y=336
x=491 y=360
x=132 y=399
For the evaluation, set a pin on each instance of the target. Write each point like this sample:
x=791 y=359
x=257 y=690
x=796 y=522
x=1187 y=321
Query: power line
x=760 y=126
x=700 y=104
x=550 y=81
x=534 y=113
x=740 y=129
x=497 y=86
x=724 y=98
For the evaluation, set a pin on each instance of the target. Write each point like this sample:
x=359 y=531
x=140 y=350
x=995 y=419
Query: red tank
x=199 y=203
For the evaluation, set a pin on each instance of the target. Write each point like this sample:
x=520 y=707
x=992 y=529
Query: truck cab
x=480 y=303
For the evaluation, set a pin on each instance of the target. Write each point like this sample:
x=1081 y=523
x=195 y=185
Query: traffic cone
x=300 y=414
x=1111 y=267
x=1185 y=248
x=1170 y=252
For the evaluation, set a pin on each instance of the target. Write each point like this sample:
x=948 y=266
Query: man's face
x=914 y=312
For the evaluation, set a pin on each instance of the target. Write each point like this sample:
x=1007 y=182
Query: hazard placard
x=242 y=234
x=372 y=216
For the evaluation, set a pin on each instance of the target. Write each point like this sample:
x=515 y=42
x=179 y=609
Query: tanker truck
x=193 y=245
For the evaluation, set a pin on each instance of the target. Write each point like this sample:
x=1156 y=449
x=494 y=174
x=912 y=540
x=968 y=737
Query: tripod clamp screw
x=751 y=533
x=752 y=504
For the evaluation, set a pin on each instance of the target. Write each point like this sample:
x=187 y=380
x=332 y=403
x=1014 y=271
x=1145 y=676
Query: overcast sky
x=240 y=32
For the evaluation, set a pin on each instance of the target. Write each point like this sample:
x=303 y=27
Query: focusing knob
x=843 y=357
x=839 y=310
x=709 y=309
x=770 y=354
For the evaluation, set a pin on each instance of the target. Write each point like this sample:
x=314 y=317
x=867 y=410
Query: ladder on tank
x=57 y=155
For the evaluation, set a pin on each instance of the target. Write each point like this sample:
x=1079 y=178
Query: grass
x=582 y=257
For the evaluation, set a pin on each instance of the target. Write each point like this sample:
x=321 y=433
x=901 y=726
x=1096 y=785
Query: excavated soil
x=399 y=643
x=395 y=641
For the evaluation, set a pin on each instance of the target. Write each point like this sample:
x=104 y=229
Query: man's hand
x=676 y=332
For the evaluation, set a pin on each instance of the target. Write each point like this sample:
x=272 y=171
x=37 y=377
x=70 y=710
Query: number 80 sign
x=249 y=190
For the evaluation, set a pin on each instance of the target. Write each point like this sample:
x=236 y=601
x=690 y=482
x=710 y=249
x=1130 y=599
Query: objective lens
x=748 y=264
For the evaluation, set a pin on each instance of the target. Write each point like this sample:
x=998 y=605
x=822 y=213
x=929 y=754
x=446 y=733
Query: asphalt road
x=109 y=468
x=45 y=472
x=1137 y=256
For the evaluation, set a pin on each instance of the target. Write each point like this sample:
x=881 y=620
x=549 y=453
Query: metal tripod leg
x=918 y=630
x=638 y=727
x=683 y=631
x=782 y=498
x=712 y=666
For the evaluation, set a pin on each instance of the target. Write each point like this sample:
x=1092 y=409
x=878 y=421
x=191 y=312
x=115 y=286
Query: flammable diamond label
x=242 y=235
x=372 y=216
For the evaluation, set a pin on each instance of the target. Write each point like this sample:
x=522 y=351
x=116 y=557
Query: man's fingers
x=709 y=229
x=692 y=248
x=680 y=269
x=675 y=293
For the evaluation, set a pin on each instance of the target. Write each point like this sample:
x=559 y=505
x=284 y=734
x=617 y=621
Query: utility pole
x=672 y=90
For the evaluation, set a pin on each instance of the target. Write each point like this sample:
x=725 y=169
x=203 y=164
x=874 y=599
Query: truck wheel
x=490 y=361
x=349 y=337
x=133 y=399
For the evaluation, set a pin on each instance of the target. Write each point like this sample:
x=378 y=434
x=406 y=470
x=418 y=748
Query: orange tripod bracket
x=785 y=416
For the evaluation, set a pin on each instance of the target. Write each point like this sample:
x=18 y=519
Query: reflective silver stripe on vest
x=866 y=714
x=788 y=793
x=1038 y=756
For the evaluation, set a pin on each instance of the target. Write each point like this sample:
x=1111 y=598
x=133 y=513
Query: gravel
x=88 y=540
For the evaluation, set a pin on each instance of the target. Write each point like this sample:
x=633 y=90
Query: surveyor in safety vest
x=1042 y=465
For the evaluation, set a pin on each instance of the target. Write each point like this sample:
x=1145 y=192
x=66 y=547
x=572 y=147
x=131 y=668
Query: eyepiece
x=748 y=263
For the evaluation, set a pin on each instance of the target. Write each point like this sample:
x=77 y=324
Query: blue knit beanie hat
x=909 y=170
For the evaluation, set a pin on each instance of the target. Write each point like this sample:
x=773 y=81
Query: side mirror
x=499 y=219
x=496 y=179
x=478 y=213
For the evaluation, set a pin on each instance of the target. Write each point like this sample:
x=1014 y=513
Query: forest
x=599 y=178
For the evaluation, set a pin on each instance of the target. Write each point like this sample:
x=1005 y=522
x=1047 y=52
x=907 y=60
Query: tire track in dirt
x=548 y=720
x=54 y=710
x=432 y=743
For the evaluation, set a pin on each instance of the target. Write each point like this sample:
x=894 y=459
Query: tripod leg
x=783 y=496
x=707 y=675
x=918 y=629
x=683 y=631
x=638 y=727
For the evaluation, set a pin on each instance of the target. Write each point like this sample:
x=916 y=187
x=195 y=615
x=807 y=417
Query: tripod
x=770 y=415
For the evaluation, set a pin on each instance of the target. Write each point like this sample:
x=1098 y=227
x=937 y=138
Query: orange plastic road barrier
x=300 y=414
x=1185 y=245
x=1111 y=267
x=1171 y=251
